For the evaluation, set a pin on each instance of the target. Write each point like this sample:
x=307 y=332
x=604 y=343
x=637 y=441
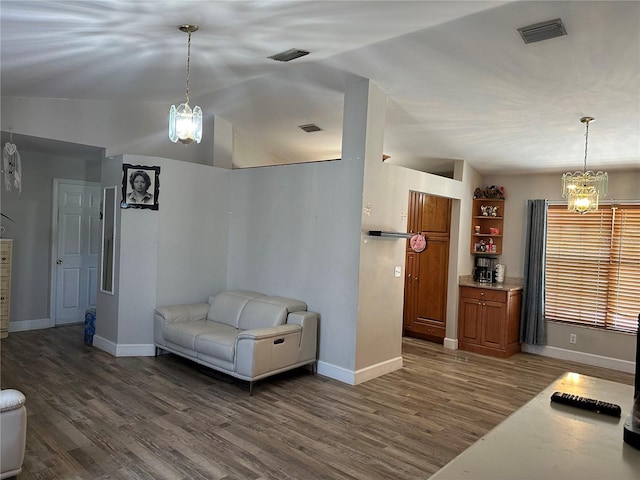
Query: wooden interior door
x=425 y=304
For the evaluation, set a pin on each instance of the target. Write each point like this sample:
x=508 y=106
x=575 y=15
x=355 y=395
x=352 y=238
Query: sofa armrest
x=181 y=313
x=267 y=332
x=309 y=340
x=176 y=313
x=304 y=319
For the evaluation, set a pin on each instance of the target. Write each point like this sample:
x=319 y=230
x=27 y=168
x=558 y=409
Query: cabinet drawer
x=483 y=294
x=5 y=247
x=425 y=328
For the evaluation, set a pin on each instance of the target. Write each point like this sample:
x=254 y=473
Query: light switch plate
x=397 y=272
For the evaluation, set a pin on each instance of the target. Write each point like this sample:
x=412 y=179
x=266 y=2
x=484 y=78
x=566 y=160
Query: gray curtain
x=533 y=329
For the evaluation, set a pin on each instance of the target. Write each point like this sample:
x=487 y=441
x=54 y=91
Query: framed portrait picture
x=140 y=186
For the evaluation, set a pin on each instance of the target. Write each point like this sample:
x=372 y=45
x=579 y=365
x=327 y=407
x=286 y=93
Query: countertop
x=549 y=440
x=510 y=283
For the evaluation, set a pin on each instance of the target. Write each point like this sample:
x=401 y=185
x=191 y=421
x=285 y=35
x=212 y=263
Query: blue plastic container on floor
x=89 y=325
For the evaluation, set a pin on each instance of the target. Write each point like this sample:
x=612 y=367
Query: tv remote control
x=587 y=403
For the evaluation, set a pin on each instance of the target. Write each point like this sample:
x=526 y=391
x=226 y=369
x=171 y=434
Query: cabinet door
x=470 y=319
x=411 y=289
x=432 y=281
x=415 y=212
x=436 y=212
x=493 y=324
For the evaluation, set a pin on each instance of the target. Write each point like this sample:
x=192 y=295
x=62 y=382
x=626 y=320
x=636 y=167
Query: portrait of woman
x=140 y=183
x=140 y=186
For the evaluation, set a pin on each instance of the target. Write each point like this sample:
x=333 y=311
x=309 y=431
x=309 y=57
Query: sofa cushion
x=185 y=333
x=261 y=313
x=219 y=341
x=226 y=307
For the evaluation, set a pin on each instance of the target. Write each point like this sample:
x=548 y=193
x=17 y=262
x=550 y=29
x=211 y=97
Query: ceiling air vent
x=310 y=127
x=542 y=31
x=289 y=55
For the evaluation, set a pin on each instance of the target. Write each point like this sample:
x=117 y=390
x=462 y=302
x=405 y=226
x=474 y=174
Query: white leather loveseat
x=247 y=335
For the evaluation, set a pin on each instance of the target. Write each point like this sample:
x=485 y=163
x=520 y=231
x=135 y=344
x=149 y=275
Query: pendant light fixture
x=185 y=124
x=583 y=189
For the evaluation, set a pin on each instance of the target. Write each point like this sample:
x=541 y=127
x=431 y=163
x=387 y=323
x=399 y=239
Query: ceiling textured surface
x=461 y=83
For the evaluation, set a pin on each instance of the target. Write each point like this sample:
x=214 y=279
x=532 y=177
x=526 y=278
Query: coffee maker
x=483 y=269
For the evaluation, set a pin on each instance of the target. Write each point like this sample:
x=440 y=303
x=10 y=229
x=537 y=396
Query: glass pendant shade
x=583 y=190
x=185 y=124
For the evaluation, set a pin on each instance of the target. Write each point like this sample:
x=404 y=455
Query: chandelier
x=583 y=189
x=185 y=124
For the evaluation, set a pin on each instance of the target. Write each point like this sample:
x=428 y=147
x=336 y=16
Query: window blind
x=592 y=271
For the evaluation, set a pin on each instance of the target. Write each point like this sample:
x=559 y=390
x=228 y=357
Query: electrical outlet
x=397 y=272
x=572 y=338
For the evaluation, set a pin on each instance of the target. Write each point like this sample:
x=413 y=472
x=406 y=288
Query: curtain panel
x=533 y=329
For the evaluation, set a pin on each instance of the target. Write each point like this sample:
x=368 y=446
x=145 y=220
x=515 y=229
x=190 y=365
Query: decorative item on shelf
x=476 y=229
x=494 y=231
x=583 y=189
x=499 y=273
x=489 y=210
x=418 y=243
x=185 y=124
x=481 y=246
x=11 y=166
x=489 y=192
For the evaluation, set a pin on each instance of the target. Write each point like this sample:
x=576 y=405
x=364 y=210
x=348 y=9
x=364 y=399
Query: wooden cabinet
x=425 y=302
x=489 y=321
x=6 y=247
x=487 y=226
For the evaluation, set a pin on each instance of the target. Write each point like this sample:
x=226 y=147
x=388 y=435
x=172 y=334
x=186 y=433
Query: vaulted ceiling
x=460 y=81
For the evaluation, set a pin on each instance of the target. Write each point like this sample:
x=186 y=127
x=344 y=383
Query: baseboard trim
x=359 y=376
x=377 y=370
x=581 y=357
x=337 y=373
x=451 y=343
x=25 y=325
x=104 y=344
x=124 y=350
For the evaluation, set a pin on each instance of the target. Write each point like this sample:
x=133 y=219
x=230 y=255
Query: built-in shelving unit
x=487 y=226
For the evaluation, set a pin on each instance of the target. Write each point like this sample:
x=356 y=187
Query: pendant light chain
x=189 y=61
x=586 y=141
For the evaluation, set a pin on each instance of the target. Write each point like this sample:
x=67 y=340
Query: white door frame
x=54 y=241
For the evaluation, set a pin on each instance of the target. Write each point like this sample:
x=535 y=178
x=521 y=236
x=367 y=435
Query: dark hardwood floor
x=95 y=416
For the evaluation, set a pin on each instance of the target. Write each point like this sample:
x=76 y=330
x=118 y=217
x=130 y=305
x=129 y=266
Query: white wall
x=107 y=305
x=593 y=346
x=193 y=232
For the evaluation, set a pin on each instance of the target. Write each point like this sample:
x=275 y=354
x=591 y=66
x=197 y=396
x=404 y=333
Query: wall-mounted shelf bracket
x=380 y=233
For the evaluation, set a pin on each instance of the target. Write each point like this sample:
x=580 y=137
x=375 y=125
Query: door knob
x=59 y=262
